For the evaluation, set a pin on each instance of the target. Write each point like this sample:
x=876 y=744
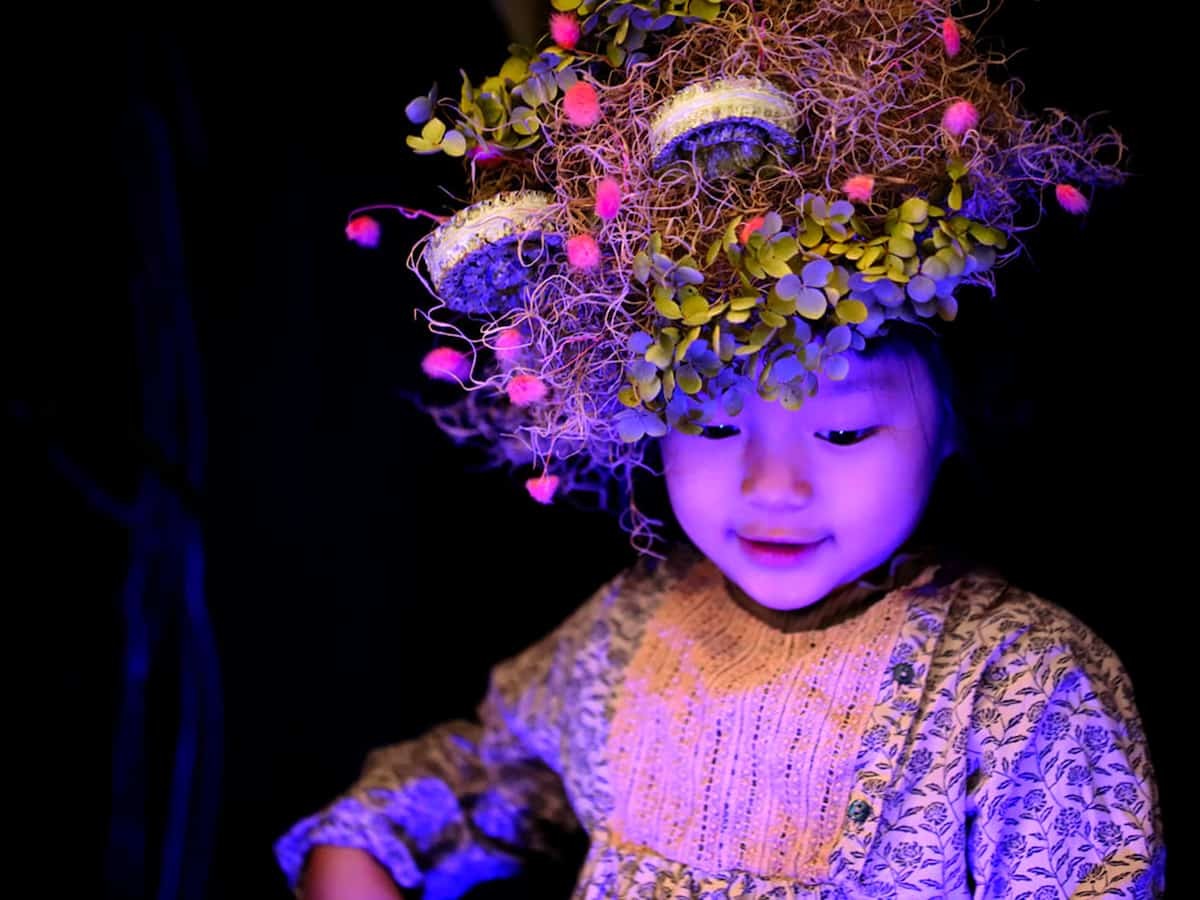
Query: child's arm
x=1064 y=797
x=346 y=873
x=469 y=800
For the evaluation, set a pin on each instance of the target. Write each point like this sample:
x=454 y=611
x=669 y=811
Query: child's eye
x=718 y=432
x=842 y=438
x=847 y=438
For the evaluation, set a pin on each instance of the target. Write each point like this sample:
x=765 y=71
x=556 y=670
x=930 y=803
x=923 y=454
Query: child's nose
x=774 y=478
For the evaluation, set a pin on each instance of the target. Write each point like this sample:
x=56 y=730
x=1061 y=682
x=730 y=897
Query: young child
x=804 y=697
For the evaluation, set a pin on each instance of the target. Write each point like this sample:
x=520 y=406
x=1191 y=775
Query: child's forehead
x=888 y=383
x=886 y=375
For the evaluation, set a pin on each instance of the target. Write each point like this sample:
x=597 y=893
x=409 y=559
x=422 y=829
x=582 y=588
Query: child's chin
x=785 y=592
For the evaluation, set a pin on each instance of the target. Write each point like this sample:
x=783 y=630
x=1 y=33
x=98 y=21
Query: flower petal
x=364 y=231
x=1070 y=199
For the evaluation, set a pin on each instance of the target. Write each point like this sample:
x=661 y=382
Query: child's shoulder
x=635 y=590
x=599 y=630
x=630 y=592
x=998 y=618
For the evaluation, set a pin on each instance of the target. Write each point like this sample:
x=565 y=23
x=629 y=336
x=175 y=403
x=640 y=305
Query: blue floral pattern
x=1012 y=764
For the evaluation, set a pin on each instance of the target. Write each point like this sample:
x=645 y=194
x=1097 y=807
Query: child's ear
x=951 y=439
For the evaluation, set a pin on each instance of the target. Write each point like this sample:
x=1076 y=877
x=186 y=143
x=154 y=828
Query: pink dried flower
x=508 y=344
x=608 y=198
x=485 y=155
x=583 y=252
x=581 y=104
x=542 y=488
x=859 y=187
x=960 y=117
x=526 y=389
x=564 y=28
x=750 y=227
x=364 y=231
x=950 y=36
x=1070 y=199
x=446 y=364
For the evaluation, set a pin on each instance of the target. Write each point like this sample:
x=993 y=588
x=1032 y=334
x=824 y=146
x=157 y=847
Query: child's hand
x=345 y=873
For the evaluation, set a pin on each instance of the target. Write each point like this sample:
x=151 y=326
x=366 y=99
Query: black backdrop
x=360 y=579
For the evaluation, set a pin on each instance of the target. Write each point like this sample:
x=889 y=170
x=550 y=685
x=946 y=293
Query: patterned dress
x=951 y=736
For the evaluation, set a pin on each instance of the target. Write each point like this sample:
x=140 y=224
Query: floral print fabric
x=1003 y=757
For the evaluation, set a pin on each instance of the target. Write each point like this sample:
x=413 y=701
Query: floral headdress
x=679 y=202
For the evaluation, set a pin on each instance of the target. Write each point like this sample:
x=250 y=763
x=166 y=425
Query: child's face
x=848 y=474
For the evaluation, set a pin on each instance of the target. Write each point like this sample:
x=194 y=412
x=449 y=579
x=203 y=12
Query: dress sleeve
x=1062 y=800
x=470 y=800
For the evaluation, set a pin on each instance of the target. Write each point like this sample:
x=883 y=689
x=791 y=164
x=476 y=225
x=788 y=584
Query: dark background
x=359 y=578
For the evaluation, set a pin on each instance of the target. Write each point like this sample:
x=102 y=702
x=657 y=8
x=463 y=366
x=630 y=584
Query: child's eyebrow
x=860 y=386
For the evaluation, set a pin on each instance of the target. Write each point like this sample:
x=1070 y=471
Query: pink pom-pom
x=364 y=231
x=564 y=28
x=526 y=389
x=859 y=188
x=1070 y=199
x=608 y=198
x=960 y=117
x=446 y=364
x=750 y=227
x=542 y=488
x=583 y=252
x=486 y=156
x=508 y=344
x=950 y=36
x=581 y=104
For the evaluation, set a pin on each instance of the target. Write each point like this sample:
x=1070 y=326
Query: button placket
x=866 y=810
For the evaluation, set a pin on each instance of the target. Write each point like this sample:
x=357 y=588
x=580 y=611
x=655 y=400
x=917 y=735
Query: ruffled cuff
x=347 y=823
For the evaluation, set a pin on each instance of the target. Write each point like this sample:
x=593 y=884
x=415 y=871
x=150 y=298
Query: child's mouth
x=778 y=554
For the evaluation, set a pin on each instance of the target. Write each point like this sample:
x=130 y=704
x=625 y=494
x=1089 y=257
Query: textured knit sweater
x=936 y=733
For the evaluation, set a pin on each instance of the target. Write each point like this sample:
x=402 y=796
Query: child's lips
x=781 y=537
x=775 y=553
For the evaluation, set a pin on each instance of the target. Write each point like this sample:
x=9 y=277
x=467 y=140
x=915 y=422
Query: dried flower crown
x=678 y=202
